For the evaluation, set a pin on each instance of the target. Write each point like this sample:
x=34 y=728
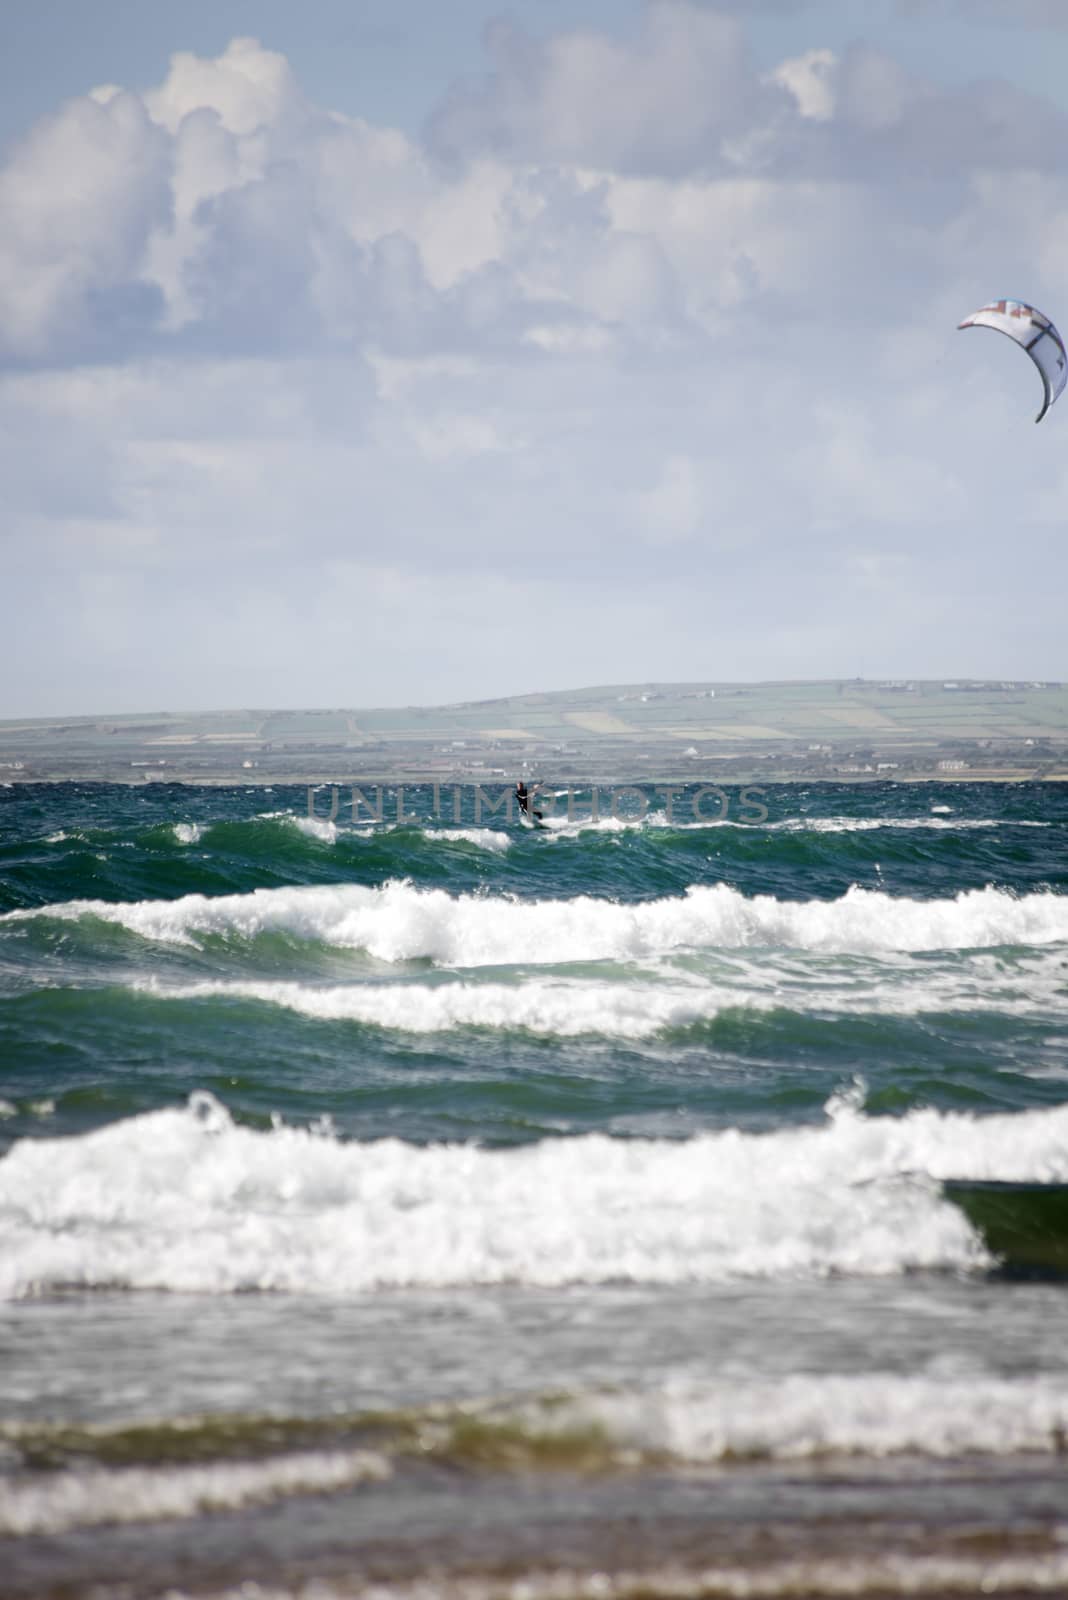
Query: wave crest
x=399 y=922
x=187 y=1200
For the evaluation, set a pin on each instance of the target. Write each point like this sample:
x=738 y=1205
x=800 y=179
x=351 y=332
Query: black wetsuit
x=522 y=794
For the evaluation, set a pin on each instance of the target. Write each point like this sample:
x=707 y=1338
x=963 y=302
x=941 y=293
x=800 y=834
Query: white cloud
x=660 y=103
x=250 y=89
x=666 y=332
x=78 y=201
x=810 y=79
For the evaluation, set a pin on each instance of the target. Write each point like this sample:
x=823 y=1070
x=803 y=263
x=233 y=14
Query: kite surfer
x=523 y=795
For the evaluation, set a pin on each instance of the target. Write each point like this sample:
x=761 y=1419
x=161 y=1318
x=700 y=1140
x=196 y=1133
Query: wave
x=932 y=824
x=186 y=1200
x=311 y=827
x=328 y=832
x=494 y=839
x=643 y=1008
x=90 y=1498
x=680 y=1422
x=808 y=1416
x=325 y=830
x=268 y=827
x=399 y=922
x=223 y=1463
x=833 y=1577
x=581 y=821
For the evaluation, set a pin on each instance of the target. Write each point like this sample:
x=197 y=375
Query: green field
x=837 y=728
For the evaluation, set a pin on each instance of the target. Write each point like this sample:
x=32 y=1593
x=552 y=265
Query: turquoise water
x=614 y=1146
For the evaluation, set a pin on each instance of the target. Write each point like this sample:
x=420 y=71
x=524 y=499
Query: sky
x=370 y=353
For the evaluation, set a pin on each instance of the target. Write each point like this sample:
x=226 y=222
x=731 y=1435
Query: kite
x=1033 y=332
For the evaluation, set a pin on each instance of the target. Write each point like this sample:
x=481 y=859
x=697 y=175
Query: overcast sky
x=375 y=353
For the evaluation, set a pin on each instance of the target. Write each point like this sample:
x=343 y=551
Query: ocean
x=435 y=1206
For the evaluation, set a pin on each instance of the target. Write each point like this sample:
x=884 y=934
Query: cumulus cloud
x=664 y=101
x=249 y=89
x=636 y=328
x=79 y=200
x=224 y=210
x=810 y=79
x=683 y=99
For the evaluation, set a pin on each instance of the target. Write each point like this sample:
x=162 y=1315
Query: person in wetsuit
x=522 y=794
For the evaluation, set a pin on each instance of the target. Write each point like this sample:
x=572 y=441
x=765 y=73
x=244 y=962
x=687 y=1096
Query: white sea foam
x=398 y=922
x=904 y=824
x=321 y=828
x=930 y=824
x=800 y=1416
x=188 y=832
x=314 y=828
x=186 y=1200
x=55 y=1502
x=642 y=1006
x=494 y=839
x=806 y=1415
x=560 y=824
x=327 y=831
x=559 y=1008
x=835 y=1577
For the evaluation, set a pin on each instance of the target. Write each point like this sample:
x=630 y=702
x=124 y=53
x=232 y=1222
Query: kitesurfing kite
x=1034 y=333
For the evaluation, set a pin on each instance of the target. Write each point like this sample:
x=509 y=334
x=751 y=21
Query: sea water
x=439 y=1205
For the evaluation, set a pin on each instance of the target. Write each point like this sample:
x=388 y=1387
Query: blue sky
x=402 y=352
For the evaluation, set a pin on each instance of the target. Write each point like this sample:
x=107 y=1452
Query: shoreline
x=325 y=779
x=866 y=1527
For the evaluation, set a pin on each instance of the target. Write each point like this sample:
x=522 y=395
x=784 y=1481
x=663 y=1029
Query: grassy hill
x=831 y=729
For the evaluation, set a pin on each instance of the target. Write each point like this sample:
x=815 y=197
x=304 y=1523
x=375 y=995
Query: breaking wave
x=188 y=1200
x=399 y=922
x=638 y=1007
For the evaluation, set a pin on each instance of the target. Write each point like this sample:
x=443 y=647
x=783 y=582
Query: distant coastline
x=837 y=730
